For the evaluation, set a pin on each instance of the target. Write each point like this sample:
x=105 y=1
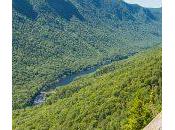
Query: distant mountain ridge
x=67 y=9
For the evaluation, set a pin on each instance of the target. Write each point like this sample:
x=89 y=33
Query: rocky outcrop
x=155 y=124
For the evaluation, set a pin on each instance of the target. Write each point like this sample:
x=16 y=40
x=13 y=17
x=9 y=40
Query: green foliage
x=45 y=43
x=125 y=95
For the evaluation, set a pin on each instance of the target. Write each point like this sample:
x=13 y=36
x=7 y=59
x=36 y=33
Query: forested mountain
x=125 y=95
x=54 y=38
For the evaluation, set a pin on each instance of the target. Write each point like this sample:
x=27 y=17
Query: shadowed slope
x=25 y=8
x=65 y=9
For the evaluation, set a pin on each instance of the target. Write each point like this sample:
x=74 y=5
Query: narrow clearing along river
x=39 y=98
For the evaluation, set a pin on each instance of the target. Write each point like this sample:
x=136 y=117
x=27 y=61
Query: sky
x=146 y=3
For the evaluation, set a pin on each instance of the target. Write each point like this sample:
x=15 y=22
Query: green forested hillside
x=52 y=38
x=125 y=95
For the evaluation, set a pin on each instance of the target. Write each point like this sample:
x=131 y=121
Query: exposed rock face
x=155 y=124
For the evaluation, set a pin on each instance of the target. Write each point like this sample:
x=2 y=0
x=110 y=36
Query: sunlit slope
x=125 y=95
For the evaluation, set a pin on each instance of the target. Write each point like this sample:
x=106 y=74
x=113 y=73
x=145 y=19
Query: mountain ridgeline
x=66 y=9
x=55 y=38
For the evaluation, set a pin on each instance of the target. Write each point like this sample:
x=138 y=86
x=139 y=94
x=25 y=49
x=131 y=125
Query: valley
x=48 y=44
x=40 y=96
x=117 y=96
x=85 y=65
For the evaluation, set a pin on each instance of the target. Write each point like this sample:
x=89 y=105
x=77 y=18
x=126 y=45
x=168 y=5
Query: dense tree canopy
x=125 y=95
x=49 y=40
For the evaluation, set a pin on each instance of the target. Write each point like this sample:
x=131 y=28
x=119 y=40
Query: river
x=39 y=98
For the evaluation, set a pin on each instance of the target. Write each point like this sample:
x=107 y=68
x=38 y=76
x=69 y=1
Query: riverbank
x=39 y=97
